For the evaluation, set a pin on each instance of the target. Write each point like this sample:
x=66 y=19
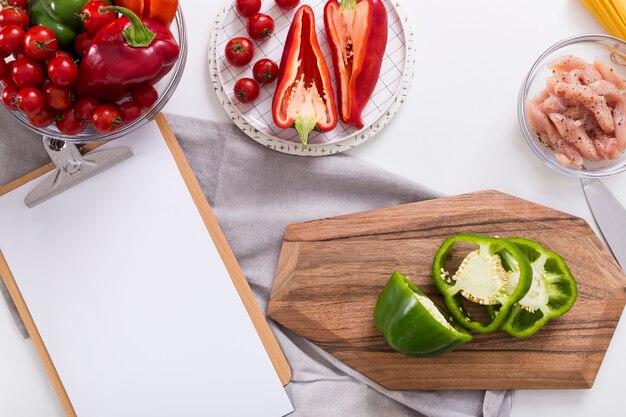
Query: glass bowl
x=165 y=87
x=587 y=47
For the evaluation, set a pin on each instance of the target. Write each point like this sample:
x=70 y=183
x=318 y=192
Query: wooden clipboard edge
x=241 y=284
x=20 y=304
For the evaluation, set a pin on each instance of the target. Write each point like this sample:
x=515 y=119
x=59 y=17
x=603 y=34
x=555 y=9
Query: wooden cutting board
x=331 y=271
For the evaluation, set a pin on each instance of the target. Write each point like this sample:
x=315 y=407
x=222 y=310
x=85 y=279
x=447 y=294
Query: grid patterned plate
x=255 y=119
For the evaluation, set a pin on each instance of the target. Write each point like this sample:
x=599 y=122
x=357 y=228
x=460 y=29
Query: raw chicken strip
x=606 y=146
x=607 y=90
x=582 y=94
x=609 y=73
x=583 y=76
x=619 y=113
x=566 y=154
x=552 y=104
x=574 y=133
x=567 y=63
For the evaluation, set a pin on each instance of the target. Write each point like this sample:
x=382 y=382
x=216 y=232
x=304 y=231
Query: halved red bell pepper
x=304 y=97
x=357 y=34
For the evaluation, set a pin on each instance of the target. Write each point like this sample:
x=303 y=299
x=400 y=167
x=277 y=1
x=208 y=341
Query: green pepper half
x=63 y=17
x=552 y=294
x=483 y=277
x=412 y=323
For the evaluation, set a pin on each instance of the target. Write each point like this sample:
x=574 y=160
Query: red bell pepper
x=304 y=97
x=125 y=53
x=357 y=34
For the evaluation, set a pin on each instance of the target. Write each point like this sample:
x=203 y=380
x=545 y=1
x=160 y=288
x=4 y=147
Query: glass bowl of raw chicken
x=572 y=106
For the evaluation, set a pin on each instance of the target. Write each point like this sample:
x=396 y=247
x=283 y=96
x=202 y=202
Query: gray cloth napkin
x=255 y=193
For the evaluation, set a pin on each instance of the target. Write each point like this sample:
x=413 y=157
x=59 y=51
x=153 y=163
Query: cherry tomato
x=12 y=39
x=8 y=96
x=8 y=76
x=246 y=90
x=85 y=107
x=40 y=43
x=287 y=4
x=247 y=8
x=260 y=26
x=57 y=97
x=63 y=71
x=14 y=16
x=107 y=119
x=130 y=111
x=82 y=42
x=3 y=69
x=44 y=118
x=93 y=19
x=239 y=51
x=27 y=72
x=22 y=4
x=265 y=71
x=144 y=95
x=70 y=124
x=30 y=101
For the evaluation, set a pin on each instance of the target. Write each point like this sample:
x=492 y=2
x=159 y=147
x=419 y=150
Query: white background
x=457 y=133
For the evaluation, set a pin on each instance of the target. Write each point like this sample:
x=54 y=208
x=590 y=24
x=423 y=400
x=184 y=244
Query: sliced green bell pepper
x=552 y=294
x=412 y=323
x=483 y=277
x=60 y=16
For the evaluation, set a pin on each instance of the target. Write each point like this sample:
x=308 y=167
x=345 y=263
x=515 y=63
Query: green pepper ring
x=568 y=283
x=454 y=302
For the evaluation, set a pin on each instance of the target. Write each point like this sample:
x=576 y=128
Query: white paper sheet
x=132 y=299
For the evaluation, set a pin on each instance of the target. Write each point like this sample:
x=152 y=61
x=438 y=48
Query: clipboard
x=243 y=289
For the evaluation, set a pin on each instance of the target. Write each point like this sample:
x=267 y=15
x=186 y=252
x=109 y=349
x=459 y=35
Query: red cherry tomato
x=247 y=8
x=265 y=71
x=3 y=69
x=27 y=72
x=70 y=124
x=14 y=16
x=30 y=101
x=260 y=26
x=93 y=19
x=63 y=71
x=107 y=119
x=144 y=95
x=82 y=42
x=40 y=43
x=239 y=51
x=287 y=4
x=130 y=111
x=8 y=76
x=12 y=39
x=85 y=107
x=22 y=4
x=57 y=97
x=246 y=90
x=44 y=118
x=8 y=96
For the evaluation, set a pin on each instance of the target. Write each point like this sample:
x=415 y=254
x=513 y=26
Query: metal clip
x=72 y=168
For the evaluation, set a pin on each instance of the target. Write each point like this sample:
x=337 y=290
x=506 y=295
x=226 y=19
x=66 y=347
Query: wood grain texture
x=243 y=288
x=331 y=271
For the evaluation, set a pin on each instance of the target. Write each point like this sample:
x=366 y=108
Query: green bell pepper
x=552 y=294
x=483 y=277
x=412 y=323
x=63 y=17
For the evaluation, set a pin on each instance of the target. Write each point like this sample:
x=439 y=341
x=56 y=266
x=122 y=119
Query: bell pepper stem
x=137 y=35
x=348 y=4
x=305 y=125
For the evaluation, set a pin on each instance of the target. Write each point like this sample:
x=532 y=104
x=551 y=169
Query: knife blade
x=610 y=216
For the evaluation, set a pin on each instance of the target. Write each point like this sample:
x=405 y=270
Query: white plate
x=255 y=119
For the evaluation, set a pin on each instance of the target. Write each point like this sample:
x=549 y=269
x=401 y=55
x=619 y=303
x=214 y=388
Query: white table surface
x=456 y=133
